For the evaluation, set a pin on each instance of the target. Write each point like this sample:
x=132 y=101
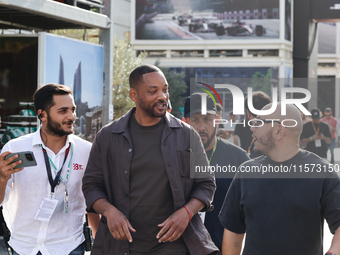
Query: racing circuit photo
x=206 y=20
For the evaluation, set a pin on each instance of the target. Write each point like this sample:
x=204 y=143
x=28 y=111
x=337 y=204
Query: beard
x=55 y=128
x=268 y=144
x=150 y=109
x=210 y=138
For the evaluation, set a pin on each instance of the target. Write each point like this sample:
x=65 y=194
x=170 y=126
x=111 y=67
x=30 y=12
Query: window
x=153 y=53
x=263 y=53
x=225 y=53
x=187 y=53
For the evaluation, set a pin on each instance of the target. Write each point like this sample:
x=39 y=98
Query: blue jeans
x=77 y=251
x=331 y=149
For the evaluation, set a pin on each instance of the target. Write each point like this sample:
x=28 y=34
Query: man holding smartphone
x=43 y=205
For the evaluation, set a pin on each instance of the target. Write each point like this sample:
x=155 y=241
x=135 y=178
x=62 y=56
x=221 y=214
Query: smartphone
x=27 y=158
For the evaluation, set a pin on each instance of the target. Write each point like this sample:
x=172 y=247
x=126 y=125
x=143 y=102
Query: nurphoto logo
x=238 y=103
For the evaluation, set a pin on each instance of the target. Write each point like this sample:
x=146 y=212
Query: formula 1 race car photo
x=240 y=28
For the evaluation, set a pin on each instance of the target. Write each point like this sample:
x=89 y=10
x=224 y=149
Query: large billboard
x=206 y=19
x=78 y=65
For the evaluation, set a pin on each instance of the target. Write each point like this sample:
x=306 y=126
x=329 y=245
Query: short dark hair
x=137 y=74
x=260 y=100
x=43 y=97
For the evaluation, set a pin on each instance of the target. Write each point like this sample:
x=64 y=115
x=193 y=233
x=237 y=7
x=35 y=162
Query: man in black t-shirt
x=242 y=129
x=316 y=135
x=280 y=200
x=220 y=154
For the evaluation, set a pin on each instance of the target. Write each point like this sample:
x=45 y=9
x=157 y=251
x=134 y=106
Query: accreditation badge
x=318 y=143
x=46 y=209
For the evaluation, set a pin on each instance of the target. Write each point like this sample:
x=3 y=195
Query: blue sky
x=73 y=52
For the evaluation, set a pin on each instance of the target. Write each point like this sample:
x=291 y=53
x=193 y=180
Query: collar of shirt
x=58 y=158
x=37 y=140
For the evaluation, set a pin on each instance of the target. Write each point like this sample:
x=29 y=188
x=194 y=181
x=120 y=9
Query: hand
x=315 y=137
x=118 y=225
x=6 y=166
x=174 y=226
x=321 y=137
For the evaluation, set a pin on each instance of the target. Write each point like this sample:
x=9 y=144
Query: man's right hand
x=7 y=167
x=118 y=224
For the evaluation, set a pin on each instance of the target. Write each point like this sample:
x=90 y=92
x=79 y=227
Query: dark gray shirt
x=150 y=192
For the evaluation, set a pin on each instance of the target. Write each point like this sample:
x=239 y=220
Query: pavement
x=327 y=235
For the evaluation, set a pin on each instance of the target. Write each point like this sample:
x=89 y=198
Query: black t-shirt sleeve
x=330 y=203
x=231 y=215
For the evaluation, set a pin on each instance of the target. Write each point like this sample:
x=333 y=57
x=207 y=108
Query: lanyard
x=251 y=144
x=316 y=131
x=56 y=181
x=212 y=154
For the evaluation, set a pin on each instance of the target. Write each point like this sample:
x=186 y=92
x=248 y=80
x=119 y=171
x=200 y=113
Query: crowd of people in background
x=141 y=189
x=320 y=131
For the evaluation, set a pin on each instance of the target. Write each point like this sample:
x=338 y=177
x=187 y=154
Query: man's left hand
x=174 y=226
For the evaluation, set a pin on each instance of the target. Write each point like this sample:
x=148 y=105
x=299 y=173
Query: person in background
x=316 y=135
x=230 y=126
x=220 y=153
x=242 y=131
x=332 y=123
x=338 y=130
x=222 y=132
x=219 y=112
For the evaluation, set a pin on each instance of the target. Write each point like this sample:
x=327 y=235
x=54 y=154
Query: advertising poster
x=18 y=81
x=206 y=19
x=78 y=65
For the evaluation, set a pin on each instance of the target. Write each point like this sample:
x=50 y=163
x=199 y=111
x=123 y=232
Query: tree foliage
x=124 y=61
x=261 y=82
x=177 y=87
